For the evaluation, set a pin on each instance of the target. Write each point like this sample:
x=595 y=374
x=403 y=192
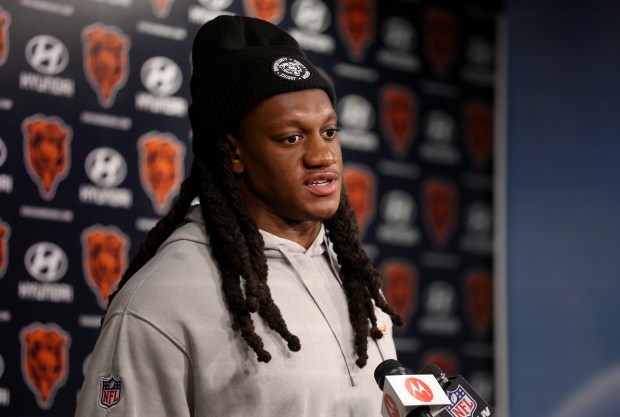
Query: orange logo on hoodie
x=356 y=24
x=104 y=259
x=106 y=61
x=269 y=10
x=45 y=360
x=47 y=154
x=161 y=167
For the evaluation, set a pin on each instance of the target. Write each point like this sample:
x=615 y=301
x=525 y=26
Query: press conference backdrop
x=94 y=141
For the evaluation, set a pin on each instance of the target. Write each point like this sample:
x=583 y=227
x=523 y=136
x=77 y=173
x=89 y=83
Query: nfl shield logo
x=110 y=394
x=463 y=405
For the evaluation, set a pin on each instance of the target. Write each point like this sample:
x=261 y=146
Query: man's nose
x=319 y=152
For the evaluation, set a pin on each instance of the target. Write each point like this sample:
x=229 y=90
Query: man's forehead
x=304 y=117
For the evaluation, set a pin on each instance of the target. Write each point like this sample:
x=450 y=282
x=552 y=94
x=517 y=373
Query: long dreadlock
x=237 y=247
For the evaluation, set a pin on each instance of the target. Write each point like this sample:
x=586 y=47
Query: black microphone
x=408 y=395
x=465 y=401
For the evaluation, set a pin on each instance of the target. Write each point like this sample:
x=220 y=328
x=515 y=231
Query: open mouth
x=323 y=184
x=320 y=183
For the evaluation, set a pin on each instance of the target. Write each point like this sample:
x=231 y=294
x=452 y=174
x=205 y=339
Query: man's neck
x=302 y=233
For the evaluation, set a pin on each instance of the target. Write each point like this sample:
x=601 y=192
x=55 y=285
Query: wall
x=563 y=203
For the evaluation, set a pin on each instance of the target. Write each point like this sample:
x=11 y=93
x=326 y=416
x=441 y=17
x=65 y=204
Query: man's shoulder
x=180 y=270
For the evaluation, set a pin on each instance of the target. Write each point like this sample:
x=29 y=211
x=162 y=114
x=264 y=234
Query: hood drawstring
x=302 y=280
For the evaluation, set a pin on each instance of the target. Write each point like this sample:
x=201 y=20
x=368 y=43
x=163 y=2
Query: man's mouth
x=320 y=183
x=323 y=184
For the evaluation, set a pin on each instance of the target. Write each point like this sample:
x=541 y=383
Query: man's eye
x=293 y=139
x=331 y=133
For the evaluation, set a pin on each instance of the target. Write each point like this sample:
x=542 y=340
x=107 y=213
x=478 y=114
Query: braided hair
x=238 y=249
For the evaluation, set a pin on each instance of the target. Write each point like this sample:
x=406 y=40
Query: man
x=260 y=300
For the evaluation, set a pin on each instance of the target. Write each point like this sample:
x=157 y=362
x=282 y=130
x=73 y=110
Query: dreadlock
x=238 y=249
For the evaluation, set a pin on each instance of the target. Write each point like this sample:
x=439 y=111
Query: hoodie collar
x=274 y=245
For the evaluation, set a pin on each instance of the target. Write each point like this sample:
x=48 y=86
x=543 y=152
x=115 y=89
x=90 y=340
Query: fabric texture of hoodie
x=167 y=347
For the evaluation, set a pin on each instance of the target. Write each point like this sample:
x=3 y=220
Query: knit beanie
x=240 y=61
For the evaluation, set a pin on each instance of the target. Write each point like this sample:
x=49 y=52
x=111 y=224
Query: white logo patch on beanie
x=290 y=69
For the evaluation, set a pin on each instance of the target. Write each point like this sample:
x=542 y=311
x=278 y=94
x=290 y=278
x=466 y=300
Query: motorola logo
x=47 y=55
x=46 y=262
x=161 y=76
x=105 y=167
x=311 y=15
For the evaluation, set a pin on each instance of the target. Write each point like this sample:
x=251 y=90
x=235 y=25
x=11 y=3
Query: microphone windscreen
x=388 y=367
x=438 y=373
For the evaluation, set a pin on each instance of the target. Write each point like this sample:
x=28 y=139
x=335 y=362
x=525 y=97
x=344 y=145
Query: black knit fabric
x=240 y=61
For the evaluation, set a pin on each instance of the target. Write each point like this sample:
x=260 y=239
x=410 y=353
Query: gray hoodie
x=167 y=348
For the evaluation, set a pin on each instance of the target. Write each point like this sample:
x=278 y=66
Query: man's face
x=288 y=160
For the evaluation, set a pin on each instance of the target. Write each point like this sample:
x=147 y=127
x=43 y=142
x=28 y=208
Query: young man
x=260 y=300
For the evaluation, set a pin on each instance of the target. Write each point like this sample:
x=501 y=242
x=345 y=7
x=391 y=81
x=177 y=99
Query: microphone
x=407 y=395
x=464 y=400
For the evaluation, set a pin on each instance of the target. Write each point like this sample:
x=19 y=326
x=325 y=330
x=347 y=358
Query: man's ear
x=234 y=153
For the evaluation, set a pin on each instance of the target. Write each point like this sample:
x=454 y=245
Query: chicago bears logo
x=104 y=259
x=444 y=359
x=399 y=118
x=440 y=209
x=5 y=233
x=269 y=10
x=478 y=294
x=161 y=167
x=106 y=61
x=47 y=154
x=5 y=22
x=400 y=286
x=440 y=40
x=161 y=8
x=361 y=186
x=45 y=361
x=479 y=132
x=356 y=24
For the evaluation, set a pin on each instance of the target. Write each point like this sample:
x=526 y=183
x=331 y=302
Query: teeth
x=320 y=182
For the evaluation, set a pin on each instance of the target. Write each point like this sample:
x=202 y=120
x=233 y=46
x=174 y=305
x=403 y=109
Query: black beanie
x=240 y=61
